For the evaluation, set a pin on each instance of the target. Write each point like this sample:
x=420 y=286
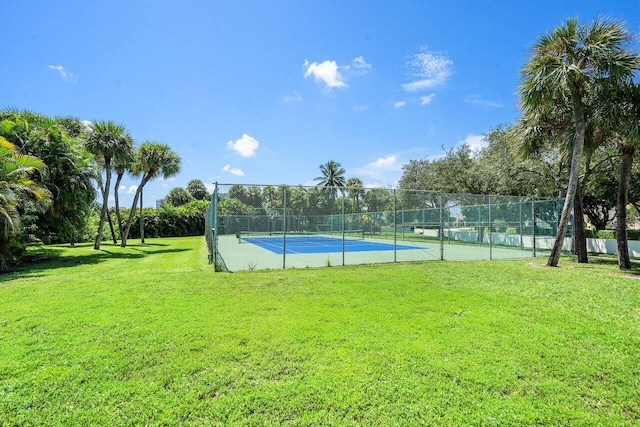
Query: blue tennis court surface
x=299 y=245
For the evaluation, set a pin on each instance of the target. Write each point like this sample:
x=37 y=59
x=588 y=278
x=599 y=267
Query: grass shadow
x=54 y=257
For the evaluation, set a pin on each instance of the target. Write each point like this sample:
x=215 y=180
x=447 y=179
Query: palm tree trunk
x=113 y=232
x=580 y=237
x=125 y=236
x=576 y=157
x=105 y=201
x=626 y=163
x=141 y=219
x=115 y=196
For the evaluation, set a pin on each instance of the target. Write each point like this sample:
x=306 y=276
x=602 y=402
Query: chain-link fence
x=258 y=227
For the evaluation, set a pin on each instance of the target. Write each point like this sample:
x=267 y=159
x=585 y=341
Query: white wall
x=602 y=246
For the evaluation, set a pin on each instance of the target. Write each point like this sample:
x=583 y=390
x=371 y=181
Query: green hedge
x=169 y=221
x=611 y=234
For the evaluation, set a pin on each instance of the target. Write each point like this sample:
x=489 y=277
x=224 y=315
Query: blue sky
x=263 y=92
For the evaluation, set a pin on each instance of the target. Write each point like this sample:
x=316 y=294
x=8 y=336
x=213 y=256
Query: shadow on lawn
x=51 y=257
x=635 y=264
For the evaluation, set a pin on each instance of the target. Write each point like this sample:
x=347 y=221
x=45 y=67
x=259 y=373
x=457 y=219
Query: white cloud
x=429 y=70
x=332 y=75
x=132 y=189
x=384 y=162
x=399 y=104
x=426 y=100
x=294 y=97
x=122 y=187
x=245 y=146
x=359 y=66
x=87 y=125
x=64 y=73
x=232 y=171
x=484 y=103
x=325 y=72
x=475 y=142
x=361 y=108
x=385 y=170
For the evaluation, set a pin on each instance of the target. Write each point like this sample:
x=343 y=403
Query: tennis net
x=300 y=236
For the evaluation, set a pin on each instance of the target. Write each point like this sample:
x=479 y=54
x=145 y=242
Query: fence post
x=343 y=230
x=395 y=227
x=284 y=226
x=490 y=233
x=214 y=245
x=441 y=233
x=533 y=225
x=520 y=228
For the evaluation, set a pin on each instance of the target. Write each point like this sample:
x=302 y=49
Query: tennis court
x=252 y=227
x=319 y=243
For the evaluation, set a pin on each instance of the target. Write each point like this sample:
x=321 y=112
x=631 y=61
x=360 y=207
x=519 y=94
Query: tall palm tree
x=356 y=192
x=121 y=165
x=109 y=142
x=565 y=63
x=332 y=179
x=152 y=160
x=623 y=115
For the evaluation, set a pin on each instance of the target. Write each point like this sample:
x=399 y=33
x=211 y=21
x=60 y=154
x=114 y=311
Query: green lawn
x=150 y=335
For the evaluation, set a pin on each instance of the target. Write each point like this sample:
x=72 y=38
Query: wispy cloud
x=483 y=103
x=428 y=70
x=233 y=171
x=245 y=146
x=426 y=100
x=383 y=170
x=332 y=75
x=132 y=189
x=359 y=66
x=293 y=97
x=475 y=142
x=399 y=104
x=361 y=108
x=64 y=73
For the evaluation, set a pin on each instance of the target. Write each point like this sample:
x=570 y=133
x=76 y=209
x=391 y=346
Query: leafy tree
x=153 y=159
x=177 y=197
x=71 y=170
x=197 y=189
x=564 y=65
x=16 y=188
x=107 y=141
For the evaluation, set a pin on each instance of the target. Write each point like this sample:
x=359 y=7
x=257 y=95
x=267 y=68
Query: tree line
x=50 y=168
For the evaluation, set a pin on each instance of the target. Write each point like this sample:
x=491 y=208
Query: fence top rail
x=523 y=197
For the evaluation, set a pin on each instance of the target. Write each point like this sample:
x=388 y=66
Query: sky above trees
x=264 y=92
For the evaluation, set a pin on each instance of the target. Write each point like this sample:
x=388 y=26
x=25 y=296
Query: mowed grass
x=150 y=335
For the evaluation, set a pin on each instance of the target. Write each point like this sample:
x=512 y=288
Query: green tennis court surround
x=265 y=226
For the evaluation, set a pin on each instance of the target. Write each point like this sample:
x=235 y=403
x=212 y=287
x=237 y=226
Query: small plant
x=328 y=262
x=252 y=265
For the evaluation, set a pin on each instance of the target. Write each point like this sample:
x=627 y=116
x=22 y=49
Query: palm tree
x=153 y=159
x=332 y=179
x=564 y=65
x=356 y=192
x=109 y=142
x=16 y=186
x=623 y=115
x=121 y=164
